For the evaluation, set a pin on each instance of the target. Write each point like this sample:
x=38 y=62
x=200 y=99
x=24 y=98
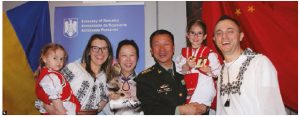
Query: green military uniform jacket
x=160 y=92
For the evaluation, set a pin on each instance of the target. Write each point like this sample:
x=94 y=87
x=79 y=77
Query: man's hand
x=206 y=69
x=187 y=109
x=192 y=109
x=201 y=109
x=185 y=69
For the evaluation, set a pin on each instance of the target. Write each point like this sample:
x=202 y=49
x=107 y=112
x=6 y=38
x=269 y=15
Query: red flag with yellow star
x=271 y=29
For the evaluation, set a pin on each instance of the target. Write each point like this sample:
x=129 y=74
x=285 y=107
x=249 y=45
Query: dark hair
x=226 y=17
x=160 y=32
x=45 y=50
x=127 y=42
x=86 y=57
x=200 y=24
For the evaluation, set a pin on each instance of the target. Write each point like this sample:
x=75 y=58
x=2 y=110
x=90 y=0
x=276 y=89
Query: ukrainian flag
x=26 y=29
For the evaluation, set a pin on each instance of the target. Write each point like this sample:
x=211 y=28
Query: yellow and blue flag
x=26 y=29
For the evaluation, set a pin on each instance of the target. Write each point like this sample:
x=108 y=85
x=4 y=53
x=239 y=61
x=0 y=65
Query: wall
x=172 y=17
x=165 y=15
x=158 y=15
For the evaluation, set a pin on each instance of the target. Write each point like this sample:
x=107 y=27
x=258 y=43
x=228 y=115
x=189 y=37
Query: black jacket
x=159 y=92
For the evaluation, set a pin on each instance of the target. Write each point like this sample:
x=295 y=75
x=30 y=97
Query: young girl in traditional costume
x=199 y=64
x=52 y=89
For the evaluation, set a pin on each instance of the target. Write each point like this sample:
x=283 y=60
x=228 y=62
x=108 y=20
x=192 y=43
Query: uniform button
x=180 y=94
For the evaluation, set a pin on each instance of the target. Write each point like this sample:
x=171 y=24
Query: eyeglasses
x=198 y=34
x=96 y=49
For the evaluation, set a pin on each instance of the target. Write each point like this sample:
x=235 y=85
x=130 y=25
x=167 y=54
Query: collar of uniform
x=161 y=68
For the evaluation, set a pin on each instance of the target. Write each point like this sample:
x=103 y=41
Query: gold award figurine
x=201 y=62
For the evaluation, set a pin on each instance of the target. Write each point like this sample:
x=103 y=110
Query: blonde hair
x=45 y=51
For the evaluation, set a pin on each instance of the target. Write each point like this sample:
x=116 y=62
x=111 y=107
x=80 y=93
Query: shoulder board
x=147 y=70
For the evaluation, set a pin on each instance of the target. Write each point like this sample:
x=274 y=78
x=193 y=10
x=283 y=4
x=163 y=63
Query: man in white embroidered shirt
x=248 y=81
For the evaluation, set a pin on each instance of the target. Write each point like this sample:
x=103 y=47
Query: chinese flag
x=271 y=29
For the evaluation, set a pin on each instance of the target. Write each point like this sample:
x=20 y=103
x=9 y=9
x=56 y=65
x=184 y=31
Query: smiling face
x=227 y=37
x=196 y=35
x=54 y=59
x=98 y=52
x=127 y=59
x=162 y=49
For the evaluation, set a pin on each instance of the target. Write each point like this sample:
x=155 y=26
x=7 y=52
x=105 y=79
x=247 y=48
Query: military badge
x=164 y=88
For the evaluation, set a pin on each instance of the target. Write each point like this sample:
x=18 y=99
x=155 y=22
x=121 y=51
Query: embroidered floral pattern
x=103 y=95
x=67 y=74
x=92 y=99
x=235 y=86
x=82 y=91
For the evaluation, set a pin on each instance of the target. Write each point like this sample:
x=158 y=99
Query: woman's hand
x=56 y=108
x=49 y=108
x=88 y=112
x=101 y=105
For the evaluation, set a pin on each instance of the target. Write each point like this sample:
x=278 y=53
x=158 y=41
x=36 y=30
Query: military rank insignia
x=146 y=71
x=159 y=71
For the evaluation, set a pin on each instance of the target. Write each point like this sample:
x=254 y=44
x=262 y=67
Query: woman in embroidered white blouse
x=122 y=89
x=88 y=76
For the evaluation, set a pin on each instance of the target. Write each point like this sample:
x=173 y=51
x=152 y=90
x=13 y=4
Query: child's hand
x=206 y=69
x=191 y=62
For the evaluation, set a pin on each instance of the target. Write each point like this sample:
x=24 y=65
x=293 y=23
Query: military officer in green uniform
x=160 y=88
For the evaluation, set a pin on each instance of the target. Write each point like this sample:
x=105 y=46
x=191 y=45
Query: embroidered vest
x=203 y=53
x=201 y=59
x=66 y=94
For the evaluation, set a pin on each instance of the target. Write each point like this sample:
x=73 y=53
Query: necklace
x=234 y=87
x=126 y=85
x=194 y=54
x=227 y=103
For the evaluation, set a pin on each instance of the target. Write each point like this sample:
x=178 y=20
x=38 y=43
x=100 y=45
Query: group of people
x=246 y=82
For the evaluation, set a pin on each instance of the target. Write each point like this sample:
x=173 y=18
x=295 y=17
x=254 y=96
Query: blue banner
x=74 y=26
